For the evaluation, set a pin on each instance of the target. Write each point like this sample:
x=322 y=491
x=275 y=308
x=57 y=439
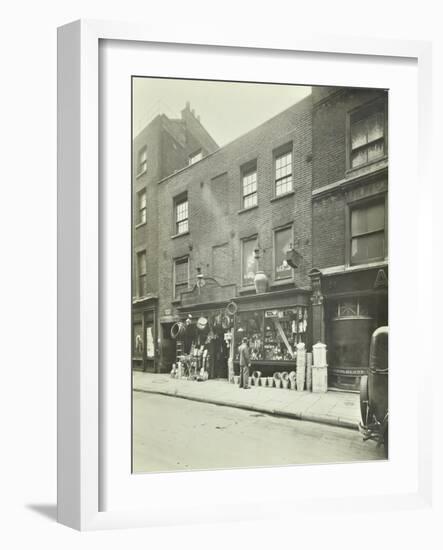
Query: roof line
x=235 y=139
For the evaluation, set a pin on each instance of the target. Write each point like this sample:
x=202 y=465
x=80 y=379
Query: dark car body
x=374 y=391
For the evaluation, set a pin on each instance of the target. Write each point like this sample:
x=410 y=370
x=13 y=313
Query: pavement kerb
x=319 y=419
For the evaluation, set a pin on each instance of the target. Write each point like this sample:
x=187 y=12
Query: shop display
x=193 y=366
x=273 y=334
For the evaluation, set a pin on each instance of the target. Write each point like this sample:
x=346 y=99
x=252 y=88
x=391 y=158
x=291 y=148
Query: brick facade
x=338 y=188
x=325 y=190
x=217 y=222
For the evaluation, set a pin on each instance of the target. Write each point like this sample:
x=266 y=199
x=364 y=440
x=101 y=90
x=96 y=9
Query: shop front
x=351 y=316
x=144 y=336
x=205 y=335
x=274 y=324
x=204 y=326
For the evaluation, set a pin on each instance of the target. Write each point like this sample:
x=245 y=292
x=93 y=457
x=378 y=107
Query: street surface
x=170 y=433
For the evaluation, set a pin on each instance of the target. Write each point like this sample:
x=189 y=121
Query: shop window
x=195 y=157
x=249 y=187
x=181 y=214
x=181 y=276
x=273 y=334
x=283 y=239
x=283 y=173
x=138 y=344
x=367 y=134
x=149 y=334
x=142 y=161
x=141 y=206
x=141 y=273
x=368 y=233
x=249 y=262
x=352 y=307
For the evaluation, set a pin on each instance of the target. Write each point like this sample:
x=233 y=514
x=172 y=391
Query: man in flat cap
x=244 y=364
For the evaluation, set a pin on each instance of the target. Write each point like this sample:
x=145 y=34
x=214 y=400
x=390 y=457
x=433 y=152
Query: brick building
x=349 y=212
x=266 y=225
x=164 y=146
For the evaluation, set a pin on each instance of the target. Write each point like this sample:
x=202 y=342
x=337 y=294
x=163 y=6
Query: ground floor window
x=273 y=333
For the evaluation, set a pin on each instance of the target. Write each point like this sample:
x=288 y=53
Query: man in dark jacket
x=244 y=364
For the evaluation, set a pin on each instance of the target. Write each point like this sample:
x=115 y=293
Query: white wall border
x=78 y=259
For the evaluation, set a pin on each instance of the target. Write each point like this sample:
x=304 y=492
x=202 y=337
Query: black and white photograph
x=259 y=274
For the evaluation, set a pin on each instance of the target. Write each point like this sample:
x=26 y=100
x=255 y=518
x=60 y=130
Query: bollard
x=309 y=371
x=301 y=366
x=319 y=369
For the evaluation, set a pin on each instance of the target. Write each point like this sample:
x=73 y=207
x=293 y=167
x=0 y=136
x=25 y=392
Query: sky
x=227 y=109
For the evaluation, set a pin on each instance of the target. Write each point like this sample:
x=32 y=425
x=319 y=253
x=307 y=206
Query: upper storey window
x=195 y=157
x=367 y=135
x=283 y=173
x=181 y=214
x=142 y=161
x=249 y=187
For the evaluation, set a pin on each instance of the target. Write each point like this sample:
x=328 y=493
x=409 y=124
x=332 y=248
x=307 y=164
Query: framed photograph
x=224 y=225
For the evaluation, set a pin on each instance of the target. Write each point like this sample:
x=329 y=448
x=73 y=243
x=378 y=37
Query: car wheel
x=364 y=399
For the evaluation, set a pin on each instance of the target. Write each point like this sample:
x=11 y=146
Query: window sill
x=247 y=289
x=370 y=262
x=247 y=209
x=350 y=171
x=282 y=282
x=337 y=269
x=284 y=195
x=176 y=236
x=141 y=224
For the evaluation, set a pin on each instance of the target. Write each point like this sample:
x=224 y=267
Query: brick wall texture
x=217 y=223
x=331 y=108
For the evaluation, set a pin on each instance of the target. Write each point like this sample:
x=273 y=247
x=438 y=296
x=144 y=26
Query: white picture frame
x=80 y=391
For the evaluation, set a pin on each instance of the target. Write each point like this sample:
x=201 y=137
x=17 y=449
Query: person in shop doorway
x=244 y=364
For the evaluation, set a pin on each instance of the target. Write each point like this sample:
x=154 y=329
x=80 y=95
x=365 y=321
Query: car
x=374 y=392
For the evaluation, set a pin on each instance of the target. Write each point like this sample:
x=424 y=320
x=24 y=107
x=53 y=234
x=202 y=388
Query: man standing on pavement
x=244 y=364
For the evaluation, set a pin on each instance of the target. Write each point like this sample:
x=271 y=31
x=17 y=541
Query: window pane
x=249 y=262
x=367 y=219
x=283 y=165
x=195 y=157
x=182 y=210
x=142 y=199
x=368 y=247
x=179 y=289
x=283 y=240
x=375 y=126
x=141 y=263
x=182 y=227
x=376 y=150
x=250 y=201
x=348 y=308
x=358 y=134
x=181 y=272
x=249 y=183
x=283 y=186
x=359 y=157
x=143 y=216
x=142 y=159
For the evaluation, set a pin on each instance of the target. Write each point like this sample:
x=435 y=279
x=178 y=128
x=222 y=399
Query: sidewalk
x=334 y=408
